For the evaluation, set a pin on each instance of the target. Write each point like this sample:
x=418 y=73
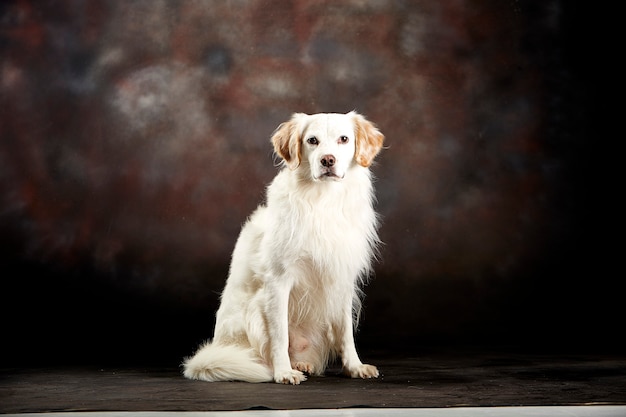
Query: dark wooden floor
x=433 y=380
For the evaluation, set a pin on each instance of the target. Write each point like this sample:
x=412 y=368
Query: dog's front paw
x=362 y=371
x=290 y=376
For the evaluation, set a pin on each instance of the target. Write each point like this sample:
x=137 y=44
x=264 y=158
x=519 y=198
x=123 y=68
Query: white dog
x=293 y=292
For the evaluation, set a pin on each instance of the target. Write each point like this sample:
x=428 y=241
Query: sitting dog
x=293 y=293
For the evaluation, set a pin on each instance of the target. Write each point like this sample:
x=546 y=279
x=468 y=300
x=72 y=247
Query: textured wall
x=134 y=143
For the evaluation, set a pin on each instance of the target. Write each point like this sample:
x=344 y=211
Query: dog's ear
x=286 y=140
x=369 y=140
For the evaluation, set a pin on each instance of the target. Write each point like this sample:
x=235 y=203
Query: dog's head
x=328 y=143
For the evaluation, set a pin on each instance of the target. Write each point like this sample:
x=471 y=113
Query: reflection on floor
x=556 y=411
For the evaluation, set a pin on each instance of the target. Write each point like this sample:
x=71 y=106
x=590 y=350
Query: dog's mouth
x=329 y=175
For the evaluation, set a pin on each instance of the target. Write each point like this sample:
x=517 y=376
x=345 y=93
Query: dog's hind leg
x=299 y=347
x=308 y=351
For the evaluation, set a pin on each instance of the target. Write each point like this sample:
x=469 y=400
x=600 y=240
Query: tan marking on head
x=287 y=140
x=369 y=140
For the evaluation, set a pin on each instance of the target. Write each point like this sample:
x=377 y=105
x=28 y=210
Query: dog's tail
x=215 y=362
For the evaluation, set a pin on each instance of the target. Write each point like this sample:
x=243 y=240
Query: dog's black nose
x=328 y=160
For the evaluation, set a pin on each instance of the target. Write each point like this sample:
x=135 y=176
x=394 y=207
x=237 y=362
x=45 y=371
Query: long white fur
x=293 y=293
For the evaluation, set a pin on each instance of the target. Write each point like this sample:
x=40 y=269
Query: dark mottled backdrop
x=134 y=141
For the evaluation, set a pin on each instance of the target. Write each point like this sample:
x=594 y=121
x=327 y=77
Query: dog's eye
x=343 y=139
x=312 y=140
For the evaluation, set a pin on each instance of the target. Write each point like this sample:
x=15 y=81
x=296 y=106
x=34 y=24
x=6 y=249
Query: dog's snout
x=328 y=161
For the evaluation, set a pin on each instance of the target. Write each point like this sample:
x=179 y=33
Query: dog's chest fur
x=330 y=225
